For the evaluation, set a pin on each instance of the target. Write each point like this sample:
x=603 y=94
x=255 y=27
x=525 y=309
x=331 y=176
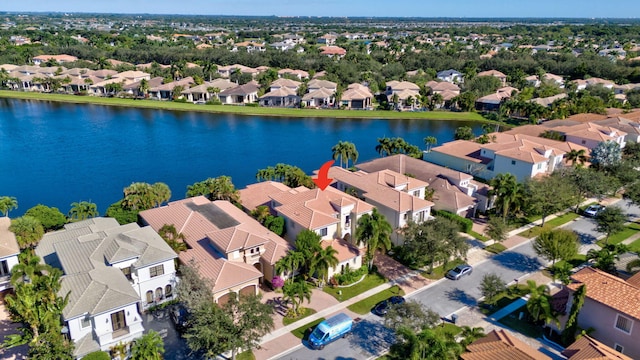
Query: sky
x=367 y=8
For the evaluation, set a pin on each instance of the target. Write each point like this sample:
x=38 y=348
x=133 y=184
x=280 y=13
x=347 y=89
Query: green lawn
x=550 y=224
x=478 y=236
x=628 y=231
x=521 y=326
x=246 y=110
x=438 y=272
x=364 y=306
x=247 y=355
x=369 y=282
x=304 y=312
x=448 y=328
x=496 y=248
x=635 y=246
x=504 y=299
x=302 y=330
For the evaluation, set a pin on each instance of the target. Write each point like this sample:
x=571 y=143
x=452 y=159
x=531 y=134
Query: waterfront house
x=300 y=74
x=317 y=84
x=231 y=249
x=398 y=197
x=280 y=97
x=134 y=88
x=112 y=272
x=9 y=251
x=332 y=214
x=165 y=91
x=492 y=102
x=357 y=96
x=207 y=90
x=524 y=156
x=241 y=94
x=611 y=308
x=319 y=98
x=406 y=93
x=587 y=134
x=453 y=191
x=131 y=76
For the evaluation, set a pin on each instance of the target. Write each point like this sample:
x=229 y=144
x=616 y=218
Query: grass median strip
x=623 y=235
x=548 y=225
x=363 y=307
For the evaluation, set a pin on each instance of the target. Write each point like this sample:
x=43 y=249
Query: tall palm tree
x=345 y=151
x=385 y=146
x=296 y=292
x=324 y=260
x=374 y=232
x=577 y=157
x=470 y=335
x=427 y=344
x=161 y=193
x=508 y=191
x=539 y=303
x=28 y=268
x=429 y=141
x=82 y=210
x=290 y=263
x=8 y=203
x=144 y=87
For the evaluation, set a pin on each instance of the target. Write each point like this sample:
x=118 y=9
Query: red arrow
x=323 y=179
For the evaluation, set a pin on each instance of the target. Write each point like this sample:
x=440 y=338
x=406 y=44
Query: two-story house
x=398 y=197
x=231 y=249
x=453 y=191
x=331 y=214
x=9 y=251
x=611 y=308
x=112 y=272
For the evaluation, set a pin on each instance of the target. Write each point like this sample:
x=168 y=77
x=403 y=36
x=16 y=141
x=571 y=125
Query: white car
x=593 y=210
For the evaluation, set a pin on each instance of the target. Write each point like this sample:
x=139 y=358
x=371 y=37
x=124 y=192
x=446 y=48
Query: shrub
x=465 y=224
x=97 y=355
x=277 y=282
x=350 y=276
x=214 y=102
x=252 y=104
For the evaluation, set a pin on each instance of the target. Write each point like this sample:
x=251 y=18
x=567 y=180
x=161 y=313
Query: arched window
x=168 y=290
x=159 y=294
x=149 y=296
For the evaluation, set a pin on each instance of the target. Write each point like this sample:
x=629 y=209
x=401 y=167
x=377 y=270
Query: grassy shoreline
x=246 y=110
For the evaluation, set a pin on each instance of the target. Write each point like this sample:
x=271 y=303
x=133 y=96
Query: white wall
x=11 y=262
x=520 y=169
x=146 y=283
x=103 y=327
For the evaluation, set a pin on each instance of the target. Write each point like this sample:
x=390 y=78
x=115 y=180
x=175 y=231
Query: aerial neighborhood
x=521 y=241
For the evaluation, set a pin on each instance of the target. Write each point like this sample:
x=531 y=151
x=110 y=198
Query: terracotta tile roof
x=317 y=84
x=635 y=280
x=245 y=89
x=609 y=290
x=449 y=197
x=445 y=86
x=332 y=50
x=586 y=117
x=588 y=348
x=321 y=93
x=495 y=73
x=380 y=189
x=186 y=82
x=344 y=249
x=402 y=85
x=281 y=92
x=468 y=150
x=590 y=130
x=259 y=194
x=356 y=92
x=501 y=345
x=448 y=95
x=286 y=83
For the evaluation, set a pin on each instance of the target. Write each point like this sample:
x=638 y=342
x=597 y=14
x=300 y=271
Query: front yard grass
x=550 y=224
x=369 y=282
x=503 y=299
x=623 y=235
x=304 y=312
x=478 y=236
x=301 y=332
x=247 y=355
x=448 y=328
x=522 y=326
x=438 y=272
x=496 y=248
x=635 y=246
x=363 y=307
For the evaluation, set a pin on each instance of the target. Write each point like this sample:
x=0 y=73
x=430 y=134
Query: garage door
x=223 y=299
x=249 y=290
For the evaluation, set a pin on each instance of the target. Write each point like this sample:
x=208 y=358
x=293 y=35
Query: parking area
x=175 y=347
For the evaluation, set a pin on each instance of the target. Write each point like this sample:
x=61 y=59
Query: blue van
x=329 y=330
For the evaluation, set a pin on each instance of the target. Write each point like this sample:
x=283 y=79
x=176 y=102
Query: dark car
x=180 y=317
x=459 y=271
x=383 y=306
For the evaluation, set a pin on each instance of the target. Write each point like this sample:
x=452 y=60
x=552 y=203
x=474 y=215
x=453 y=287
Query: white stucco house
x=9 y=251
x=112 y=273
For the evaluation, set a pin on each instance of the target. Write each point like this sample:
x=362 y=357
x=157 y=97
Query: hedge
x=465 y=224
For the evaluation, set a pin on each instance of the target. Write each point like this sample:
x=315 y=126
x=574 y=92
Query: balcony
x=120 y=332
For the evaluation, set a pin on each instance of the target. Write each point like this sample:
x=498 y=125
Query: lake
x=56 y=153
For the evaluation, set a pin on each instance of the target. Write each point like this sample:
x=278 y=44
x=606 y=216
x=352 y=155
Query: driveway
x=7 y=327
x=175 y=347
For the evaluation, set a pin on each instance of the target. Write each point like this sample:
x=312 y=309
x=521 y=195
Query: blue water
x=55 y=154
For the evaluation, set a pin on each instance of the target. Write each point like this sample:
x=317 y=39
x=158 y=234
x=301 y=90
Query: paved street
x=444 y=297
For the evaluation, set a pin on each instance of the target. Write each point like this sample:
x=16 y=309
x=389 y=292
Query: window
x=584 y=142
x=416 y=193
x=118 y=321
x=405 y=216
x=86 y=322
x=323 y=232
x=168 y=290
x=513 y=162
x=4 y=268
x=624 y=324
x=619 y=348
x=127 y=272
x=539 y=166
x=159 y=294
x=347 y=220
x=149 y=296
x=156 y=270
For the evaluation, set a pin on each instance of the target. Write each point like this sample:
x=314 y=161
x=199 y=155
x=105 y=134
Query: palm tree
x=324 y=260
x=148 y=347
x=508 y=191
x=385 y=146
x=470 y=335
x=8 y=203
x=436 y=99
x=144 y=87
x=28 y=268
x=577 y=157
x=345 y=151
x=539 y=304
x=427 y=344
x=28 y=231
x=429 y=141
x=290 y=263
x=82 y=210
x=173 y=238
x=374 y=231
x=297 y=292
x=161 y=193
